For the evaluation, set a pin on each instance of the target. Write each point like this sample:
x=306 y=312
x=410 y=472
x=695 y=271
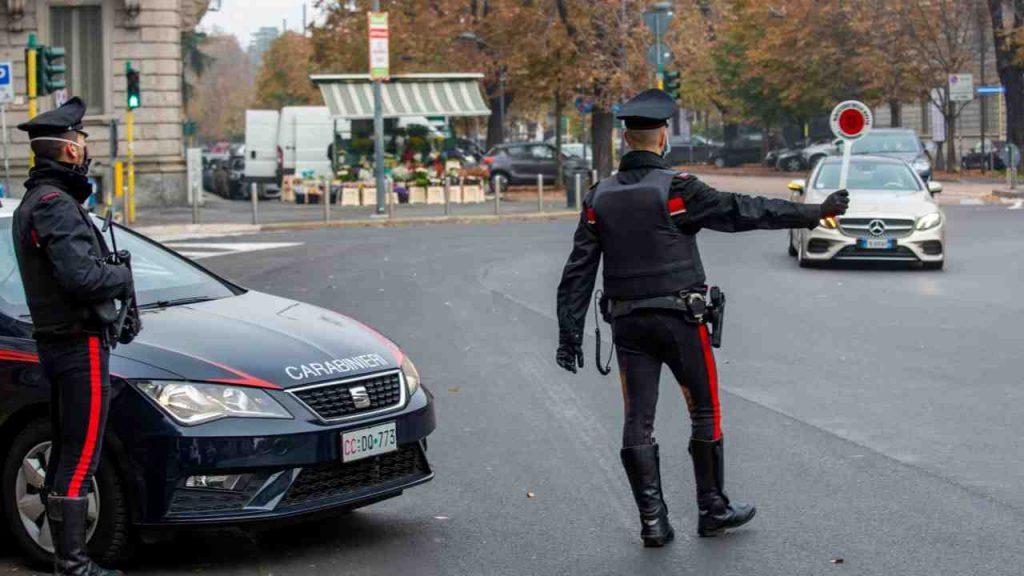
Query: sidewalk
x=220 y=217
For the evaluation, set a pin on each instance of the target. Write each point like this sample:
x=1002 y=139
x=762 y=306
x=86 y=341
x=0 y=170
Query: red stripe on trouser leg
x=709 y=363
x=95 y=396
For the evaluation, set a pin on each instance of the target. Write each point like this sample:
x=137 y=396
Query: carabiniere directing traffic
x=644 y=221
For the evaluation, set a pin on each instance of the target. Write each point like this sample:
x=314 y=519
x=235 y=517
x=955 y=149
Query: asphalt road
x=874 y=415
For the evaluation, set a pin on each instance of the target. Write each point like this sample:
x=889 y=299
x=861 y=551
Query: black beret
x=648 y=110
x=67 y=118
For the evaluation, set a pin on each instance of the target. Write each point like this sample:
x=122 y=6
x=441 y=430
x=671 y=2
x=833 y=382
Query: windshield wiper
x=177 y=302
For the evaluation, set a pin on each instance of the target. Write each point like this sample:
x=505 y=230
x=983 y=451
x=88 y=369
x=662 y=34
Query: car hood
x=905 y=156
x=253 y=339
x=873 y=203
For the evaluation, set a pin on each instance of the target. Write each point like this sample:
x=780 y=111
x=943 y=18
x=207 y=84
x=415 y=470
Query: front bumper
x=822 y=244
x=293 y=467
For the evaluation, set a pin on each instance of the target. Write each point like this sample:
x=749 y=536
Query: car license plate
x=877 y=243
x=359 y=444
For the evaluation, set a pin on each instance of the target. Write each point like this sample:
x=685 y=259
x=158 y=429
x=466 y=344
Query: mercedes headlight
x=929 y=221
x=412 y=376
x=193 y=403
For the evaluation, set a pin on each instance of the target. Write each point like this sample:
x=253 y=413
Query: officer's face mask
x=82 y=167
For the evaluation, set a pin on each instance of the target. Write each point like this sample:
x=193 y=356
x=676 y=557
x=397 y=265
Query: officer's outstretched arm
x=728 y=212
x=579 y=276
x=67 y=239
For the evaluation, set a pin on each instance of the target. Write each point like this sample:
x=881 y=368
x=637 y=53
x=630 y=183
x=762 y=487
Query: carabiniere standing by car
x=71 y=284
x=644 y=221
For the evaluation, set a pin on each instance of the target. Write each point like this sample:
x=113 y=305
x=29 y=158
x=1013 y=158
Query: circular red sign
x=851 y=122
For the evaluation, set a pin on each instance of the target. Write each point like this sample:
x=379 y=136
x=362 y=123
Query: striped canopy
x=350 y=96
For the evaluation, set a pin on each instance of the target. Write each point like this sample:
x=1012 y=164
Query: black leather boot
x=644 y=472
x=717 y=513
x=68 y=517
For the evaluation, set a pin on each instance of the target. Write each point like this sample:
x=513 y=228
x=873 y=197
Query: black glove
x=836 y=204
x=132 y=327
x=570 y=351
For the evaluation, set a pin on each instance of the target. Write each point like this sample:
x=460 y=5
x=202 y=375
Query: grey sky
x=243 y=17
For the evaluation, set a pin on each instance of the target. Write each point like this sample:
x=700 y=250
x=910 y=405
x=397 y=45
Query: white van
x=304 y=135
x=261 y=158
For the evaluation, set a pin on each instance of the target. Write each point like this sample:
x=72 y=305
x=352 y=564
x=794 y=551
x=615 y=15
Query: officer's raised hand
x=570 y=351
x=835 y=204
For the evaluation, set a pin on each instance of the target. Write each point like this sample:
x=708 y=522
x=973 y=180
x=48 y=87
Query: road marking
x=201 y=250
x=1017 y=205
x=971 y=202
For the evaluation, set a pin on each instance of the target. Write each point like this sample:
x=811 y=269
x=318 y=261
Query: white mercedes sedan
x=892 y=216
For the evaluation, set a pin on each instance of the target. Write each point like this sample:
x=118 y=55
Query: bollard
x=196 y=191
x=593 y=177
x=579 y=186
x=389 y=190
x=326 y=198
x=447 y=196
x=498 y=181
x=254 y=197
x=540 y=192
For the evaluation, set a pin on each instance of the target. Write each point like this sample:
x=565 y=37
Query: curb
x=1015 y=194
x=167 y=233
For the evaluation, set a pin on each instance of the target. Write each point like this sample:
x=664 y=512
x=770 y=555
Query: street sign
x=657 y=21
x=6 y=83
x=379 y=51
x=850 y=121
x=583 y=105
x=990 y=90
x=60 y=97
x=961 y=87
x=652 y=55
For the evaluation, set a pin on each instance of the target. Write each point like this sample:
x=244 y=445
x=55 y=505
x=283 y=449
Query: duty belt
x=693 y=303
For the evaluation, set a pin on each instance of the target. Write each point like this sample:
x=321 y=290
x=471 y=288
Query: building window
x=79 y=29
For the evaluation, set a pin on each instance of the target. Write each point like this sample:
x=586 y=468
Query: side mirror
x=934 y=187
x=797 y=186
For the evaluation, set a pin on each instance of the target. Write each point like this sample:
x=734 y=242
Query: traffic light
x=672 y=84
x=50 y=70
x=133 y=92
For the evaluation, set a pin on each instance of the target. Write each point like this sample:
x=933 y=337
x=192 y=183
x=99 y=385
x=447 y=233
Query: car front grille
x=334 y=400
x=901 y=253
x=336 y=480
x=861 y=227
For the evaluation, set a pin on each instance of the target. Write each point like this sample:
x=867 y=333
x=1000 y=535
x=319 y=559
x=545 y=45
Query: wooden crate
x=417 y=195
x=351 y=197
x=435 y=195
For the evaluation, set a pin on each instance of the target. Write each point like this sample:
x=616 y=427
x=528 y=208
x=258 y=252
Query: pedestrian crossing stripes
x=201 y=250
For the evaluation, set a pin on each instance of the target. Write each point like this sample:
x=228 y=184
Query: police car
x=232 y=406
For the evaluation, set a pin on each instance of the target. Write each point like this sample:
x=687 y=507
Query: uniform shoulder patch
x=50 y=196
x=591 y=216
x=676 y=206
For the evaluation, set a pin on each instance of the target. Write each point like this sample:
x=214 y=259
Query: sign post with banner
x=961 y=87
x=380 y=64
x=6 y=97
x=850 y=121
x=380 y=60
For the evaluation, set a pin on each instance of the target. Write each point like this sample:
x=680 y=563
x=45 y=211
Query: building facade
x=100 y=37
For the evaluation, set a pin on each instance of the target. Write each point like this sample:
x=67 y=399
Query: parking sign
x=6 y=83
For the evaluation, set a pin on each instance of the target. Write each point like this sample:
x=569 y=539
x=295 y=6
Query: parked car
x=210 y=168
x=232 y=406
x=995 y=157
x=519 y=163
x=580 y=150
x=747 y=149
x=900 y=143
x=690 y=149
x=892 y=217
x=818 y=151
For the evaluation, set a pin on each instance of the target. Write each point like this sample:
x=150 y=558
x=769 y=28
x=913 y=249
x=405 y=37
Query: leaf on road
x=530 y=494
x=838 y=561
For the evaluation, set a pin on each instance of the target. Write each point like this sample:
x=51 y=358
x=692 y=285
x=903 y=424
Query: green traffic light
x=133 y=101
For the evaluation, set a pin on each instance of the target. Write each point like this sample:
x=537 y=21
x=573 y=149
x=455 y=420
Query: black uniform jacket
x=690 y=206
x=60 y=252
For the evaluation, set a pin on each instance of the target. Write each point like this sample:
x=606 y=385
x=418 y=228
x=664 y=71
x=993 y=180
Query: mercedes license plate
x=877 y=243
x=359 y=444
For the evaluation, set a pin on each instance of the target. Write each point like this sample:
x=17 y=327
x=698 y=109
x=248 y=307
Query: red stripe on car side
x=709 y=363
x=92 y=431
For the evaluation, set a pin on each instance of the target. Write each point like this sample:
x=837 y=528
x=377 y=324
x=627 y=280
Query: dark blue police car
x=232 y=406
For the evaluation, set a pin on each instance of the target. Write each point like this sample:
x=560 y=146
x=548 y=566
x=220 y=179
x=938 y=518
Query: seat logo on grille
x=876 y=228
x=360 y=397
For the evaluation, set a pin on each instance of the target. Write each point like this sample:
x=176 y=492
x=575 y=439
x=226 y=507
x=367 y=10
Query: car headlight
x=193 y=403
x=921 y=165
x=412 y=376
x=929 y=221
x=829 y=223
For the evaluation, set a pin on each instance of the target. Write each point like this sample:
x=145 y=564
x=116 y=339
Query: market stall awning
x=350 y=96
